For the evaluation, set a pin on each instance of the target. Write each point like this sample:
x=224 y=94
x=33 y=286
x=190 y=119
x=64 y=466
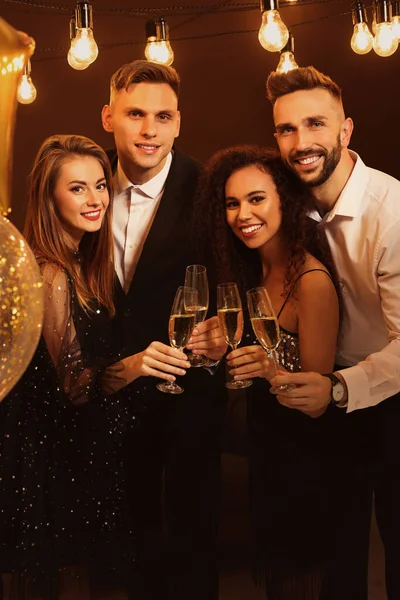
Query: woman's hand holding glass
x=180 y=327
x=266 y=328
x=158 y=360
x=230 y=315
x=249 y=362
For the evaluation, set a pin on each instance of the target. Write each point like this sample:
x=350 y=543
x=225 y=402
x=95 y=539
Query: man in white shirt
x=173 y=448
x=359 y=211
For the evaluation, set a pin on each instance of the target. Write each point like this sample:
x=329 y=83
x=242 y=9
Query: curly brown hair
x=228 y=258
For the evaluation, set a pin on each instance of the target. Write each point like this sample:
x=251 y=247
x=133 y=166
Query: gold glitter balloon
x=21 y=294
x=21 y=305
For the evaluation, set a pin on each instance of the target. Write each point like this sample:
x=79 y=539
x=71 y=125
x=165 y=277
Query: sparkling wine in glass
x=266 y=328
x=180 y=327
x=230 y=316
x=196 y=277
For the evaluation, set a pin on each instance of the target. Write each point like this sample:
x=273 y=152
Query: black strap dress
x=290 y=474
x=62 y=499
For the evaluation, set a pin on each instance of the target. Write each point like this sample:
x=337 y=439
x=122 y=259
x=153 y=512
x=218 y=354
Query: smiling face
x=253 y=208
x=311 y=132
x=81 y=196
x=145 y=121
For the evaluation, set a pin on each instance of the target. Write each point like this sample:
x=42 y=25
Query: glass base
x=197 y=360
x=278 y=389
x=237 y=384
x=170 y=388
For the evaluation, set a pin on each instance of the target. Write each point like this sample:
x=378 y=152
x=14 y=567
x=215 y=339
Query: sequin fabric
x=62 y=486
x=288 y=349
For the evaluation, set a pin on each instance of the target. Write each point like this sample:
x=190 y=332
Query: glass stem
x=275 y=360
x=234 y=346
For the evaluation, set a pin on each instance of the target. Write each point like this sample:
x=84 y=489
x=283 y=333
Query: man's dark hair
x=304 y=78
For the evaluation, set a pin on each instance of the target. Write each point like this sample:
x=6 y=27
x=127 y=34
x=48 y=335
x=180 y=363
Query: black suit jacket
x=143 y=313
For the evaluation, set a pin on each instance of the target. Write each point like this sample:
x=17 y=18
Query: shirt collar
x=351 y=197
x=151 y=188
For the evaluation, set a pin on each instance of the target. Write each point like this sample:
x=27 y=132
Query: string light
x=275 y=26
x=362 y=39
x=273 y=34
x=158 y=48
x=151 y=35
x=373 y=10
x=287 y=61
x=396 y=18
x=84 y=50
x=26 y=92
x=385 y=42
x=78 y=66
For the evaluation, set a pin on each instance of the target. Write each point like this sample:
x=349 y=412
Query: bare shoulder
x=315 y=282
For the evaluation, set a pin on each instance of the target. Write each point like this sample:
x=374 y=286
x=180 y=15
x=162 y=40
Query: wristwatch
x=337 y=390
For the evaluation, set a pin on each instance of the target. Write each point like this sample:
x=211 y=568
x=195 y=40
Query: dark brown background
x=223 y=78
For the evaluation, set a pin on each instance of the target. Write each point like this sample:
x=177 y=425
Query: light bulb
x=396 y=26
x=26 y=90
x=362 y=39
x=286 y=63
x=385 y=42
x=159 y=52
x=273 y=33
x=83 y=47
x=78 y=66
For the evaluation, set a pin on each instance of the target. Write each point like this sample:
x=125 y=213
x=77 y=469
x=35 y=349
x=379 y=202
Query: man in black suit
x=176 y=439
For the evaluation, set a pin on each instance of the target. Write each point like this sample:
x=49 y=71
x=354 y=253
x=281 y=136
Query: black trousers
x=173 y=479
x=368 y=451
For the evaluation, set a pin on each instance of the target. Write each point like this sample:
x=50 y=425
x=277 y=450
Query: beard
x=331 y=161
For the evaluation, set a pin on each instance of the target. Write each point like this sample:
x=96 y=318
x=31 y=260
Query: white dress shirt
x=134 y=209
x=363 y=231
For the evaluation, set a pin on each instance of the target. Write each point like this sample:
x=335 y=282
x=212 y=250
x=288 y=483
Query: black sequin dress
x=61 y=473
x=291 y=466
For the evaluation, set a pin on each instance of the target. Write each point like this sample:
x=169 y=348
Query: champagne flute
x=180 y=327
x=230 y=315
x=266 y=328
x=196 y=277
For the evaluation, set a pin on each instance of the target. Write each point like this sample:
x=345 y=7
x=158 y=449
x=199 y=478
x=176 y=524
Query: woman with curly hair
x=251 y=216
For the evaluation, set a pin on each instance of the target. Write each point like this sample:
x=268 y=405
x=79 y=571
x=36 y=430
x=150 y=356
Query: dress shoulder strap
x=295 y=283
